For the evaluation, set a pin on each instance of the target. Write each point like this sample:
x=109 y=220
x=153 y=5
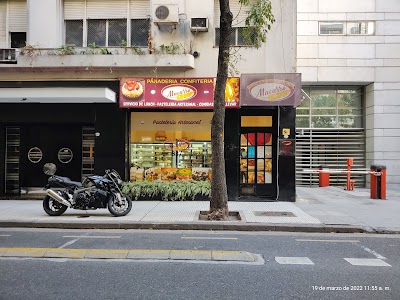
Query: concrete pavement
x=328 y=209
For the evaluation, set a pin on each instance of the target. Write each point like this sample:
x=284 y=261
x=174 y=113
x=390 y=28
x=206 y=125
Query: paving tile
x=190 y=254
x=148 y=254
x=66 y=253
x=233 y=256
x=25 y=252
x=105 y=253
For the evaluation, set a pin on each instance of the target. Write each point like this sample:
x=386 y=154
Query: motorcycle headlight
x=119 y=181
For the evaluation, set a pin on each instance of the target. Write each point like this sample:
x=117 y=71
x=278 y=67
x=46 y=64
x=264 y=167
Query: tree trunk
x=219 y=194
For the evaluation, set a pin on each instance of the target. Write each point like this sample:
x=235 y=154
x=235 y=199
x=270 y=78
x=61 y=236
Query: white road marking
x=328 y=241
x=293 y=260
x=377 y=255
x=68 y=243
x=5 y=234
x=206 y=238
x=371 y=262
x=93 y=236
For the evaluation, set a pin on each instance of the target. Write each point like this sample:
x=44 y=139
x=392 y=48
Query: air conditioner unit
x=198 y=24
x=166 y=14
x=8 y=56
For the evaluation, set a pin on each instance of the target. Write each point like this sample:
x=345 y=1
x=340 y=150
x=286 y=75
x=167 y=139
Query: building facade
x=348 y=53
x=64 y=79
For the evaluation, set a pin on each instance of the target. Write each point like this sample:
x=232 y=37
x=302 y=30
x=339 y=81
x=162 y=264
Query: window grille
x=140 y=32
x=12 y=159
x=74 y=32
x=106 y=32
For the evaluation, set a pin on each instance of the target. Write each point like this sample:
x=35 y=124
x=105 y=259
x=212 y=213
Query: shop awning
x=57 y=95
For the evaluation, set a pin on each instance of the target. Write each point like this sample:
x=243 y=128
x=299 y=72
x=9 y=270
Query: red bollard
x=349 y=183
x=378 y=183
x=323 y=176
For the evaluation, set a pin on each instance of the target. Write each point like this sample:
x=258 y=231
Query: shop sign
x=175 y=93
x=270 y=90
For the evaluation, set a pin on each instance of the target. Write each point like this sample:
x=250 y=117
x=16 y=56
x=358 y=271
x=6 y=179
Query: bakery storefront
x=170 y=134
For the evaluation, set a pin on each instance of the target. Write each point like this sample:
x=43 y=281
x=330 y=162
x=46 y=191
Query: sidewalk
x=329 y=209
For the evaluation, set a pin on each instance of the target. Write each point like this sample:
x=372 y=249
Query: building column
x=45 y=32
x=382 y=114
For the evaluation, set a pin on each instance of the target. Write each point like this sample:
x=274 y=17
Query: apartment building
x=348 y=53
x=128 y=84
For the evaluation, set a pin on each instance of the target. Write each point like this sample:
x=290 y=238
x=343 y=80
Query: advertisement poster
x=175 y=93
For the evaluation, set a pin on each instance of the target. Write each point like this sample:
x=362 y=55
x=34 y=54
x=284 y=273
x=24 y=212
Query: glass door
x=256 y=163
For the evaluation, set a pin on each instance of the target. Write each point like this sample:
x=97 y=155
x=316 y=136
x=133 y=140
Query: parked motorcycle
x=93 y=193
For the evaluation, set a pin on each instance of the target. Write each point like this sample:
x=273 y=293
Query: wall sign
x=270 y=89
x=175 y=93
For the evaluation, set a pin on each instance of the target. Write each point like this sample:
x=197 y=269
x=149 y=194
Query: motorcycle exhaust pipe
x=58 y=198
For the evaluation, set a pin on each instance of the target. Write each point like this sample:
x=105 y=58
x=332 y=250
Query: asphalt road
x=294 y=266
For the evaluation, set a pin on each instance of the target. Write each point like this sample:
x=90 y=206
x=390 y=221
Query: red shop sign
x=175 y=93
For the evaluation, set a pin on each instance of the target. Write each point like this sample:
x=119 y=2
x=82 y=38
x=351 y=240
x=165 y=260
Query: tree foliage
x=258 y=21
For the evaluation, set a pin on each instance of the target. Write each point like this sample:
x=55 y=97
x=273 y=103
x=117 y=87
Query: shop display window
x=170 y=146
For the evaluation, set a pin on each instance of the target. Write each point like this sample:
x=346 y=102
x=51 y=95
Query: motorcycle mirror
x=49 y=168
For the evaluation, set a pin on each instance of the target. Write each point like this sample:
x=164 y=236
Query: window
x=330 y=108
x=361 y=28
x=331 y=28
x=74 y=32
x=237 y=37
x=18 y=39
x=140 y=32
x=347 y=28
x=106 y=32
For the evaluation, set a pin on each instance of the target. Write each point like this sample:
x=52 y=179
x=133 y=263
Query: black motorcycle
x=93 y=193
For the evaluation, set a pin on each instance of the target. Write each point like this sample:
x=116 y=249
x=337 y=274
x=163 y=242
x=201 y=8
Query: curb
x=210 y=225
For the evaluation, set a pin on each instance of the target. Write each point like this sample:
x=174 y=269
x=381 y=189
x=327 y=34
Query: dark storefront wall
x=49 y=140
x=107 y=119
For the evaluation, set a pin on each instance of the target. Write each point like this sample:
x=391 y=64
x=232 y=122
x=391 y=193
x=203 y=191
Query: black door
x=257 y=162
x=40 y=144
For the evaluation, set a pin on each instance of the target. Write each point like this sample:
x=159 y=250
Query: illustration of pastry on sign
x=132 y=89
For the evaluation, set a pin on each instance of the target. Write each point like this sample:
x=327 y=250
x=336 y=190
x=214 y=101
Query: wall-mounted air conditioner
x=8 y=56
x=166 y=14
x=198 y=24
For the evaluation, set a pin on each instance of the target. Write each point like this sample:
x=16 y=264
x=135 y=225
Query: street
x=293 y=266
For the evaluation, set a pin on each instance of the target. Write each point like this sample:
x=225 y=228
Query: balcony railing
x=96 y=58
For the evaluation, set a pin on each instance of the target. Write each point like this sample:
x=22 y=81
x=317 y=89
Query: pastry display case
x=149 y=155
x=197 y=155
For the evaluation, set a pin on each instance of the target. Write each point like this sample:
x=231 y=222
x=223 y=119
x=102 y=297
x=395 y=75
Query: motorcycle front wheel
x=119 y=206
x=52 y=207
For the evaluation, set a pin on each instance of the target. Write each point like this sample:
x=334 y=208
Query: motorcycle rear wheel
x=119 y=208
x=52 y=207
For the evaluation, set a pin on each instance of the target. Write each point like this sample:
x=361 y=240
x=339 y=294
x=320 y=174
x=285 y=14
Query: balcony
x=122 y=58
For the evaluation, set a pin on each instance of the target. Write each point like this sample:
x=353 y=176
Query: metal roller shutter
x=106 y=9
x=329 y=147
x=239 y=12
x=18 y=16
x=139 y=9
x=74 y=9
x=3 y=15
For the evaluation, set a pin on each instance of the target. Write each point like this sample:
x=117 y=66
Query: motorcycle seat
x=68 y=182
